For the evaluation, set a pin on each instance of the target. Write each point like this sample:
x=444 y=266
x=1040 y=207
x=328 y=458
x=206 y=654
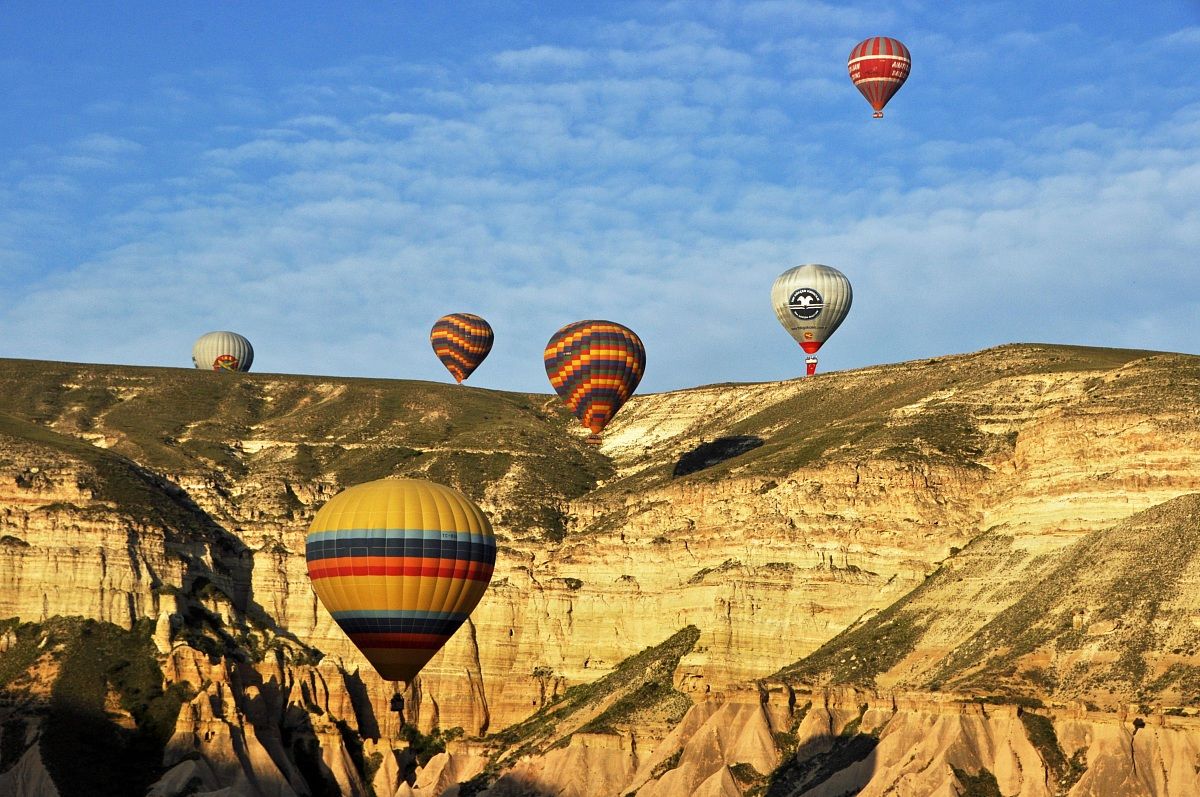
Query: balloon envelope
x=461 y=341
x=811 y=301
x=222 y=351
x=400 y=563
x=879 y=66
x=595 y=366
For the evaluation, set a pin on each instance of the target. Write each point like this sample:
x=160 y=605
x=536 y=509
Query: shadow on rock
x=360 y=701
x=706 y=455
x=844 y=763
x=300 y=740
x=509 y=785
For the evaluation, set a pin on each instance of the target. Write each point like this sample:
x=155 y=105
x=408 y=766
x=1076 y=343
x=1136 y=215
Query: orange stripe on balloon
x=399 y=566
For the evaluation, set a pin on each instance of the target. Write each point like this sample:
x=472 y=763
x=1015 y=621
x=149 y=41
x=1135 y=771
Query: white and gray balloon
x=222 y=351
x=811 y=301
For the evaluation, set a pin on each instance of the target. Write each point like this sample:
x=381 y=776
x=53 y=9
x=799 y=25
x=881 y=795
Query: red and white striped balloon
x=879 y=66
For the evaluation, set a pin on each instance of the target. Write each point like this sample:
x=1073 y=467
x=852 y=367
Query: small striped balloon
x=461 y=341
x=595 y=366
x=222 y=351
x=400 y=564
x=879 y=66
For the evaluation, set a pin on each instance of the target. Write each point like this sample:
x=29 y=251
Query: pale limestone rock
x=443 y=772
x=592 y=765
x=718 y=784
x=190 y=776
x=28 y=777
x=713 y=735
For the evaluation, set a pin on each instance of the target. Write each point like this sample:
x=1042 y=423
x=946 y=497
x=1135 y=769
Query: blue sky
x=330 y=182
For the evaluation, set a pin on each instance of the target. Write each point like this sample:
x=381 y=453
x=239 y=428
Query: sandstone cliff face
x=771 y=517
x=840 y=741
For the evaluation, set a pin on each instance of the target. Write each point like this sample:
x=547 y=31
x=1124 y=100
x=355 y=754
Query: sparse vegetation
x=724 y=567
x=641 y=685
x=860 y=653
x=1040 y=732
x=786 y=741
x=981 y=784
x=745 y=774
x=85 y=746
x=1141 y=570
x=667 y=703
x=425 y=746
x=666 y=765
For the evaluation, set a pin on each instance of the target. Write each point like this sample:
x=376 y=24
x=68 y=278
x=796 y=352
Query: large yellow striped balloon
x=400 y=563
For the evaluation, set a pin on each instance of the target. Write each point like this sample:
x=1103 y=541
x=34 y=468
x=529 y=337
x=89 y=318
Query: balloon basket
x=593 y=440
x=877 y=115
x=397 y=703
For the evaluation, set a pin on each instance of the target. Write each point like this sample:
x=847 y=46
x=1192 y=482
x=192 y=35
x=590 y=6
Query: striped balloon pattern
x=595 y=366
x=400 y=564
x=222 y=351
x=879 y=66
x=461 y=341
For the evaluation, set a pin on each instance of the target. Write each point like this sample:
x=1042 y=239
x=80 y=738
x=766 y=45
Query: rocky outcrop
x=911 y=506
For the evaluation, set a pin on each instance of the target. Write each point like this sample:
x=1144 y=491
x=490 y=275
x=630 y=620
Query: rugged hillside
x=1115 y=617
x=934 y=534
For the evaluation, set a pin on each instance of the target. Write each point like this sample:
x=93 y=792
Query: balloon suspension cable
x=877 y=115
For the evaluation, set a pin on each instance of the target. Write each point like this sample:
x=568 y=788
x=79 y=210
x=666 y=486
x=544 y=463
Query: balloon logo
x=461 y=341
x=805 y=304
x=595 y=366
x=879 y=66
x=222 y=351
x=811 y=301
x=400 y=564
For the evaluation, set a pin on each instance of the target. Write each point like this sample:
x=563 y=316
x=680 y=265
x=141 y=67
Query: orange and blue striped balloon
x=461 y=341
x=595 y=366
x=400 y=564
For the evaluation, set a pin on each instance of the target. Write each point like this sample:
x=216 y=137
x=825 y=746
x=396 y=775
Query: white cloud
x=101 y=144
x=1181 y=38
x=542 y=57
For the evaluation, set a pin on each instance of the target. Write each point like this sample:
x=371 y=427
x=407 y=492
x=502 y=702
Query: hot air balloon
x=595 y=366
x=222 y=351
x=879 y=66
x=811 y=302
x=461 y=341
x=400 y=563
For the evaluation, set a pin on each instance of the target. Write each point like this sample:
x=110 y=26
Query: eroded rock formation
x=925 y=533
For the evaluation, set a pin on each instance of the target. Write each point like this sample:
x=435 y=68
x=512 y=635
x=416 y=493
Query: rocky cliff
x=907 y=577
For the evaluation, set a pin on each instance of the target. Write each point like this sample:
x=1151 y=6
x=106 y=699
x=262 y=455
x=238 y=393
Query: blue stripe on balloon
x=472 y=548
x=385 y=622
x=418 y=534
